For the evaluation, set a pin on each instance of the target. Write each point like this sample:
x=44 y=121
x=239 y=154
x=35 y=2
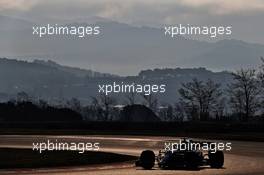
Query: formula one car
x=176 y=158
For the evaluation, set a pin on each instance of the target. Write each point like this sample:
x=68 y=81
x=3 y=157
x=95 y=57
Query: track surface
x=244 y=158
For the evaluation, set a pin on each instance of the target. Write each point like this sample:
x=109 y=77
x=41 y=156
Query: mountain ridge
x=124 y=49
x=54 y=84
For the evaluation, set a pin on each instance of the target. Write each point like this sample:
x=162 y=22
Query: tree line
x=242 y=100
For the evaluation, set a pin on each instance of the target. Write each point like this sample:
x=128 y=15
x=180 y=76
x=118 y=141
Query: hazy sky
x=245 y=16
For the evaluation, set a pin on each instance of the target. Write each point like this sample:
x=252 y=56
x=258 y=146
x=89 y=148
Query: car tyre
x=147 y=159
x=216 y=160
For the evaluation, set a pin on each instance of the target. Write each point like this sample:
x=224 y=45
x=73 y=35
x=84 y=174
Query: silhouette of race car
x=189 y=159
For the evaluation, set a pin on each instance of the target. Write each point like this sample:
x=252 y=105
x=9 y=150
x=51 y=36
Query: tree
x=169 y=113
x=151 y=101
x=107 y=102
x=42 y=104
x=244 y=93
x=219 y=108
x=22 y=97
x=103 y=105
x=179 y=112
x=74 y=104
x=236 y=101
x=95 y=111
x=131 y=98
x=166 y=113
x=261 y=74
x=261 y=82
x=201 y=96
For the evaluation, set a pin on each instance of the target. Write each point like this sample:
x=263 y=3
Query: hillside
x=54 y=82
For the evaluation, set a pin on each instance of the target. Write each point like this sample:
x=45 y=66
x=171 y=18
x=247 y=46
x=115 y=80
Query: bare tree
x=261 y=82
x=169 y=113
x=42 y=103
x=107 y=101
x=179 y=112
x=151 y=101
x=131 y=98
x=95 y=109
x=104 y=106
x=189 y=109
x=200 y=95
x=261 y=73
x=22 y=97
x=219 y=108
x=166 y=113
x=74 y=104
x=236 y=101
x=94 y=102
x=244 y=93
